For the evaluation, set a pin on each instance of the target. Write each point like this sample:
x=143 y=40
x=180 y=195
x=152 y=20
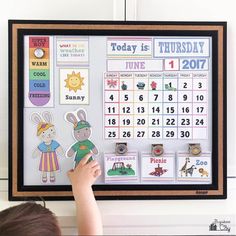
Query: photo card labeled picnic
x=112 y=83
x=158 y=168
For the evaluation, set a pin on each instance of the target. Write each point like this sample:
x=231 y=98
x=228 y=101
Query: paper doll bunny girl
x=48 y=149
x=82 y=133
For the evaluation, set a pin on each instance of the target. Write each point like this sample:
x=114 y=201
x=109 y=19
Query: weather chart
x=144 y=105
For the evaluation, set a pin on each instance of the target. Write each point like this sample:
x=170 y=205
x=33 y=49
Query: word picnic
x=157 y=160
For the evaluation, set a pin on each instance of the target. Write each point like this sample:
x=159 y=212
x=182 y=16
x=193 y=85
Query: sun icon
x=74 y=81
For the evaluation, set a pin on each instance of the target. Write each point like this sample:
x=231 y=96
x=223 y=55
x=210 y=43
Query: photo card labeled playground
x=121 y=168
x=158 y=168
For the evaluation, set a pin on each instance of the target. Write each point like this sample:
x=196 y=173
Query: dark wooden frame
x=217 y=30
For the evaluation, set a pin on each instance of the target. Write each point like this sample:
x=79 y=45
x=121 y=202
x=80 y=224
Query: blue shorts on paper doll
x=81 y=133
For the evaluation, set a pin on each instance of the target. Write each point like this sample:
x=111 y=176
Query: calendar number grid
x=172 y=105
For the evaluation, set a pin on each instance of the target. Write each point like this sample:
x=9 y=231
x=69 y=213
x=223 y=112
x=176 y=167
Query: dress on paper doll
x=49 y=161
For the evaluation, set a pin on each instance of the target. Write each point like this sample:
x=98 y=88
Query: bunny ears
x=40 y=121
x=70 y=117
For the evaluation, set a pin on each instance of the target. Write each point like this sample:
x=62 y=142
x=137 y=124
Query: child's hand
x=84 y=175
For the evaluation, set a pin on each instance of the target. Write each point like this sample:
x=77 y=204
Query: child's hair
x=28 y=219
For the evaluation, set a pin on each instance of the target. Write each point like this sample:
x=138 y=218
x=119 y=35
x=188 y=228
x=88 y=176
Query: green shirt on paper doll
x=82 y=148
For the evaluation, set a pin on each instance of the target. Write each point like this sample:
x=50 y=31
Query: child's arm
x=88 y=215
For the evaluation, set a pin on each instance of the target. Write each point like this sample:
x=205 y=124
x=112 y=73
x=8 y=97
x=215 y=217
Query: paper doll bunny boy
x=81 y=133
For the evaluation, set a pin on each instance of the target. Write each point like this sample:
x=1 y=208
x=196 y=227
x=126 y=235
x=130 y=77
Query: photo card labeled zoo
x=194 y=168
x=80 y=88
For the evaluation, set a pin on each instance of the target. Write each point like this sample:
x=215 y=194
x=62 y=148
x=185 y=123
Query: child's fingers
x=97 y=173
x=69 y=173
x=85 y=159
x=92 y=164
x=97 y=166
x=96 y=169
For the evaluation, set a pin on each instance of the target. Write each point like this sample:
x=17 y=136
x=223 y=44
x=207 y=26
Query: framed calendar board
x=147 y=99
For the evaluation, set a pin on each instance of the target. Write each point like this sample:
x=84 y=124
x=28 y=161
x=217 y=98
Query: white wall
x=42 y=10
x=201 y=10
x=132 y=217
